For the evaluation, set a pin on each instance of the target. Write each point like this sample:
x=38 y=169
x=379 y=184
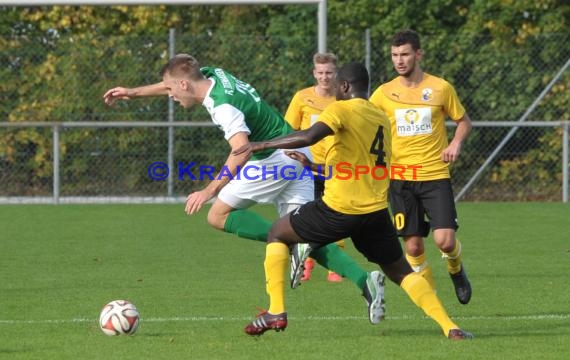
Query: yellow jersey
x=303 y=112
x=360 y=142
x=417 y=116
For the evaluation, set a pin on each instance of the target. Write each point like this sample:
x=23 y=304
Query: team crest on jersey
x=427 y=94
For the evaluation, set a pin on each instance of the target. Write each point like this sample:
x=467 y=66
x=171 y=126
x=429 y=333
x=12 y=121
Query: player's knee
x=447 y=247
x=445 y=240
x=216 y=220
x=414 y=246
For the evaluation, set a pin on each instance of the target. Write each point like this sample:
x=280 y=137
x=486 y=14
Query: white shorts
x=276 y=180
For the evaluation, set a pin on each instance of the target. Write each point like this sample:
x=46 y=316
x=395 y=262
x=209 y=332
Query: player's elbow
x=312 y=138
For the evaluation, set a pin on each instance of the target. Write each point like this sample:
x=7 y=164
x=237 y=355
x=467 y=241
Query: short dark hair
x=407 y=36
x=182 y=65
x=356 y=74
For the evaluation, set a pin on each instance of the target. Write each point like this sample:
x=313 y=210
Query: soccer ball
x=119 y=317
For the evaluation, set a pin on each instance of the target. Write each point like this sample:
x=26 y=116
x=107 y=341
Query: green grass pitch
x=196 y=288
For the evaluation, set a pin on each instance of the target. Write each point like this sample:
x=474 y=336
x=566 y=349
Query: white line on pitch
x=537 y=317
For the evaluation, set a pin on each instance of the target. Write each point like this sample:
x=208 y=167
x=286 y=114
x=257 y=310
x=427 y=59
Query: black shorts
x=373 y=234
x=412 y=201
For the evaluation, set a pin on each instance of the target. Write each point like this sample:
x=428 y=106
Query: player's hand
x=113 y=94
x=196 y=200
x=300 y=157
x=451 y=153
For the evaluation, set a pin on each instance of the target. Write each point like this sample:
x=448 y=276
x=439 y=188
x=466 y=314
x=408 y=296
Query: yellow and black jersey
x=303 y=112
x=417 y=116
x=360 y=143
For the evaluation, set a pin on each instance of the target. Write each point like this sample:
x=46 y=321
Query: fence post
x=322 y=26
x=170 y=161
x=56 y=128
x=368 y=54
x=565 y=163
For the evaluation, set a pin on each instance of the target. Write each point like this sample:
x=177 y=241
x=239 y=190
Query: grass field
x=196 y=289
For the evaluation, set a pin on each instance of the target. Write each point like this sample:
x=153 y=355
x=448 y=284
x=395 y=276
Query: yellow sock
x=276 y=261
x=420 y=265
x=454 y=259
x=424 y=297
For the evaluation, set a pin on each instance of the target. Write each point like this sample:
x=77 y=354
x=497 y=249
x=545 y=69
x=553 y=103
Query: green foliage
x=57 y=61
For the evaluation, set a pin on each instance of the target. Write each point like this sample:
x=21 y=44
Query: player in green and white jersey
x=243 y=116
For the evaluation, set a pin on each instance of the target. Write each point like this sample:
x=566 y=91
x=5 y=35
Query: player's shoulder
x=209 y=71
x=350 y=105
x=300 y=94
x=386 y=90
x=307 y=91
x=376 y=111
x=307 y=94
x=309 y=98
x=435 y=82
x=226 y=79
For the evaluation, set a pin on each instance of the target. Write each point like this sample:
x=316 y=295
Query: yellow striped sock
x=454 y=259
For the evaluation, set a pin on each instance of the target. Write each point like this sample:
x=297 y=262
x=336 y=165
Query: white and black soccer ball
x=119 y=317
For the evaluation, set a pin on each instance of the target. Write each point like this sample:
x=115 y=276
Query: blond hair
x=182 y=65
x=325 y=58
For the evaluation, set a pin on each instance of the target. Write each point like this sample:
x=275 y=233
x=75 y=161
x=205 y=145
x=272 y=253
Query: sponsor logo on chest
x=413 y=121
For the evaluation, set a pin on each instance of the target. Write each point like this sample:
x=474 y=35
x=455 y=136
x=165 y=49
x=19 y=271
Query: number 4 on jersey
x=377 y=147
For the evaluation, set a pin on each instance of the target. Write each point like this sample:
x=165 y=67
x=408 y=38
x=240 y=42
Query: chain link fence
x=52 y=95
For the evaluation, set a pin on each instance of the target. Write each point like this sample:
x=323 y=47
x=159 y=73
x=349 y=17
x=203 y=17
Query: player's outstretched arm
x=296 y=140
x=123 y=93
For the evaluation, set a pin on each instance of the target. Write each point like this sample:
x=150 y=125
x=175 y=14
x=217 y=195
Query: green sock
x=247 y=224
x=335 y=259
